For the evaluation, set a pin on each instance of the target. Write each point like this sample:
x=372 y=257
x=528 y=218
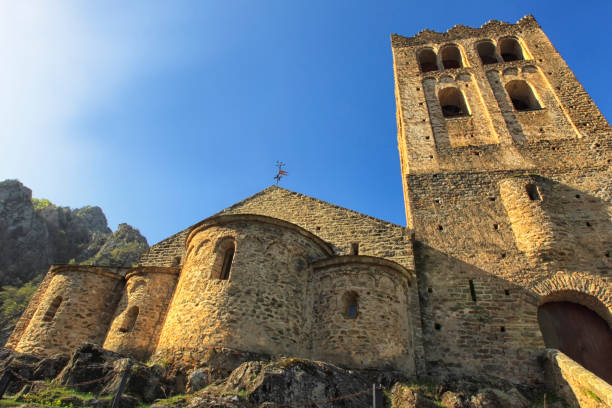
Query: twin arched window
x=509 y=50
x=450 y=57
x=452 y=103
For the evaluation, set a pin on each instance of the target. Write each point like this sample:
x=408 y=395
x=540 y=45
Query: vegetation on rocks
x=35 y=233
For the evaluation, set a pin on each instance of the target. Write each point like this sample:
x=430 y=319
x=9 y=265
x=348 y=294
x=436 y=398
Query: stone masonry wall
x=578 y=386
x=487 y=255
x=262 y=307
x=88 y=298
x=567 y=111
x=376 y=332
x=148 y=291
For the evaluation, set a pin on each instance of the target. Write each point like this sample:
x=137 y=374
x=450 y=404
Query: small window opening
x=491 y=198
x=510 y=50
x=607 y=254
x=52 y=309
x=429 y=290
x=502 y=329
x=452 y=103
x=350 y=303
x=437 y=326
x=496 y=227
x=355 y=248
x=486 y=52
x=507 y=292
x=129 y=321
x=472 y=290
x=228 y=257
x=427 y=61
x=532 y=192
x=522 y=96
x=451 y=57
x=440 y=228
x=588 y=224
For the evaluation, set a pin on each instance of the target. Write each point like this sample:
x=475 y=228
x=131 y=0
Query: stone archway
x=575 y=317
x=578 y=332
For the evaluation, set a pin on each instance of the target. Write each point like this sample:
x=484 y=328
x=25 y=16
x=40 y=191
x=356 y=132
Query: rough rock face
x=37 y=233
x=293 y=380
x=122 y=248
x=283 y=382
x=24 y=237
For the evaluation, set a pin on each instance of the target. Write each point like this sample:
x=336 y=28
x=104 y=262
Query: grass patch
x=51 y=397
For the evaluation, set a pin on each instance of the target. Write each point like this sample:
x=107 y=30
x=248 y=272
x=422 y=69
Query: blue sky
x=164 y=113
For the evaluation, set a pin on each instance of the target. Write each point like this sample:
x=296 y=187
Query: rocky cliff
x=35 y=233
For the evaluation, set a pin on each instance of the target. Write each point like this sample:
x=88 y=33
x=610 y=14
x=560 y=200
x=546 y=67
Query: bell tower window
x=452 y=103
x=428 y=60
x=510 y=50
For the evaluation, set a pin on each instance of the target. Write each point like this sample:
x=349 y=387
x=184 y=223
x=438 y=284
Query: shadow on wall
x=561 y=298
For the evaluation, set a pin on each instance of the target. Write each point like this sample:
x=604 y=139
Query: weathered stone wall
x=262 y=307
x=88 y=299
x=141 y=312
x=376 y=332
x=486 y=254
x=341 y=228
x=167 y=253
x=578 y=386
x=567 y=111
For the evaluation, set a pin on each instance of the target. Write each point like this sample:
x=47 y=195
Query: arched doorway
x=580 y=333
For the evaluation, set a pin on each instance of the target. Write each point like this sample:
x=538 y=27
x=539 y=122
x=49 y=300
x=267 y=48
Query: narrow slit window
x=510 y=50
x=350 y=302
x=451 y=57
x=129 y=321
x=452 y=103
x=52 y=309
x=486 y=52
x=228 y=257
x=522 y=96
x=472 y=290
x=355 y=248
x=532 y=192
x=428 y=60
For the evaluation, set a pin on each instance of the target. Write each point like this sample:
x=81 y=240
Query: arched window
x=522 y=96
x=52 y=309
x=486 y=52
x=510 y=50
x=129 y=320
x=532 y=192
x=452 y=103
x=228 y=257
x=350 y=305
x=427 y=60
x=451 y=57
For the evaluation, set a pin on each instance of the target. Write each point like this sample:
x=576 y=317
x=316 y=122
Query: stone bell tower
x=506 y=172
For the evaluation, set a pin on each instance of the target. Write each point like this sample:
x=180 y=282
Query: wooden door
x=580 y=333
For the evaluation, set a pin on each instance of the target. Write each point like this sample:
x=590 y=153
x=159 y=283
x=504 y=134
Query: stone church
x=505 y=164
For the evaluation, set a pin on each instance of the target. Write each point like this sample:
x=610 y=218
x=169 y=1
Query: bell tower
x=506 y=170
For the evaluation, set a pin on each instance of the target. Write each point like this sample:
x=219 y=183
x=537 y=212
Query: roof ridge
x=336 y=206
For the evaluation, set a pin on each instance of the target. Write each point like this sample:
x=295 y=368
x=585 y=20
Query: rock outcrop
x=36 y=233
x=279 y=383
